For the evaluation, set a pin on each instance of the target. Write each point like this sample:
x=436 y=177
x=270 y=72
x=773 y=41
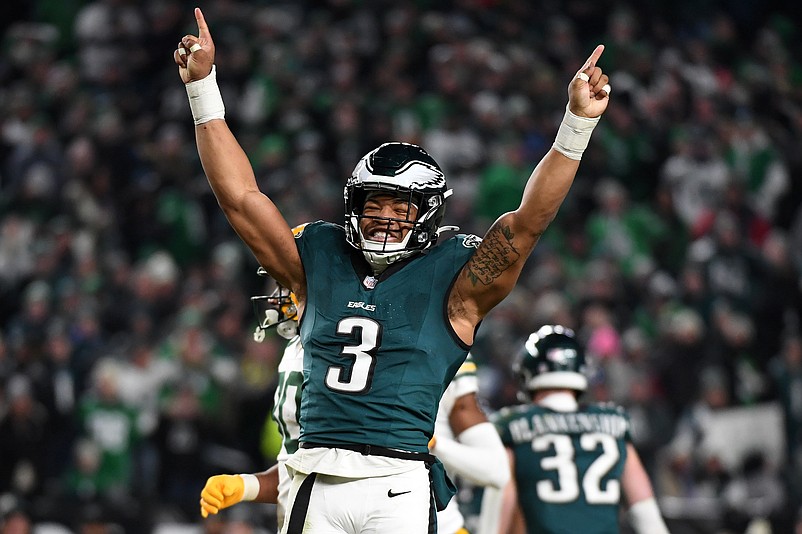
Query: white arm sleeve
x=476 y=455
x=645 y=518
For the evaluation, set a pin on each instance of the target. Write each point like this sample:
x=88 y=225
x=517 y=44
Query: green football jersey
x=568 y=466
x=379 y=352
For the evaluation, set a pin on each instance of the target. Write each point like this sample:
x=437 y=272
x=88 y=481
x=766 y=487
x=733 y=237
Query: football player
x=572 y=464
x=388 y=311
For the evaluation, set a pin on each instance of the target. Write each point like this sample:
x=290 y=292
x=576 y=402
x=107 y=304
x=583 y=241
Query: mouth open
x=381 y=235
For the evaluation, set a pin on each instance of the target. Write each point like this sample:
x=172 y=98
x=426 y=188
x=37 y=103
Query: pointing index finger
x=594 y=57
x=203 y=29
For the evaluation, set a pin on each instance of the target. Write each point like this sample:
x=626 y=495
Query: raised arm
x=252 y=214
x=494 y=269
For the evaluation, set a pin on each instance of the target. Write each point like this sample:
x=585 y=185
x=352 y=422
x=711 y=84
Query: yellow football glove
x=432 y=442
x=221 y=491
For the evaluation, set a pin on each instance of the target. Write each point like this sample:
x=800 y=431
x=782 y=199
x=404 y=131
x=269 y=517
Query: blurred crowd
x=128 y=372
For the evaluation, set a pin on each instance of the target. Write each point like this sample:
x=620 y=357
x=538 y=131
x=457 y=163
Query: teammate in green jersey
x=388 y=311
x=573 y=465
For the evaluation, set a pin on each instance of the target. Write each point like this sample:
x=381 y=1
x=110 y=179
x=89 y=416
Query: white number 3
x=357 y=377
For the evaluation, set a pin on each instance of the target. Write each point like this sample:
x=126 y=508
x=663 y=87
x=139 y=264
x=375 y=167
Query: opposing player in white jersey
x=282 y=313
x=277 y=310
x=467 y=443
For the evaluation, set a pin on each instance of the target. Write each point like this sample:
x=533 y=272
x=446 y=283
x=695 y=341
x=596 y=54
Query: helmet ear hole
x=287 y=329
x=271 y=317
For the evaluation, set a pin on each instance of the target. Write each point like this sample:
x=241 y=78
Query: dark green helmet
x=552 y=358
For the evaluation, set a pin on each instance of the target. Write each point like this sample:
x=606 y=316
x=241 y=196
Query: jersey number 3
x=563 y=462
x=356 y=377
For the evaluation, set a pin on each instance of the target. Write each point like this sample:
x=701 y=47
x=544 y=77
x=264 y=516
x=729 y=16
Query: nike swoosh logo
x=391 y=494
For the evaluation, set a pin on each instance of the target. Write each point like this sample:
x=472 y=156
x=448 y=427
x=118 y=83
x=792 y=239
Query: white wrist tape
x=645 y=518
x=574 y=135
x=205 y=99
x=251 y=491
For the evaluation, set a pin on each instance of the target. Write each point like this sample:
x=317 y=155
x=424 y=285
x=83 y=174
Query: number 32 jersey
x=379 y=352
x=568 y=465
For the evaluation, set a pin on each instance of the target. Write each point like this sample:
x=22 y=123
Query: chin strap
x=379 y=261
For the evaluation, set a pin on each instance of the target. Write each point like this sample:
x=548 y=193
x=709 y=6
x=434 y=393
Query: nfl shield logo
x=369 y=282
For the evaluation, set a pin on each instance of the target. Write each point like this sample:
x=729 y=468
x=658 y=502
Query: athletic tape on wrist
x=573 y=135
x=251 y=490
x=205 y=99
x=645 y=518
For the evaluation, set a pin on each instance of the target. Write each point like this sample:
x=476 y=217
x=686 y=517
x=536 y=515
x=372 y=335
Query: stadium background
x=127 y=370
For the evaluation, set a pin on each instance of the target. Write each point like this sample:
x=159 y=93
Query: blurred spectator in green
x=112 y=426
x=623 y=231
x=501 y=182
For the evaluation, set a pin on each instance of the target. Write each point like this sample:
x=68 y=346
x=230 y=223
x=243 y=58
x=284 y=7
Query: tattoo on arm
x=494 y=256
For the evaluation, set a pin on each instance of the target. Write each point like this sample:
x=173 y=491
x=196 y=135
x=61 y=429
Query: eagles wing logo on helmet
x=561 y=356
x=552 y=359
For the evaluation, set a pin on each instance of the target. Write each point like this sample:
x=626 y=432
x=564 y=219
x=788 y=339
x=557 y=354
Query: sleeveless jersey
x=568 y=466
x=286 y=405
x=378 y=352
x=450 y=520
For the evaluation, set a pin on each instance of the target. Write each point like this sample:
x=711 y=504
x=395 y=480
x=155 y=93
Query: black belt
x=372 y=450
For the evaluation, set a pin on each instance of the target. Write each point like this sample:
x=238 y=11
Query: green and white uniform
x=379 y=352
x=568 y=465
